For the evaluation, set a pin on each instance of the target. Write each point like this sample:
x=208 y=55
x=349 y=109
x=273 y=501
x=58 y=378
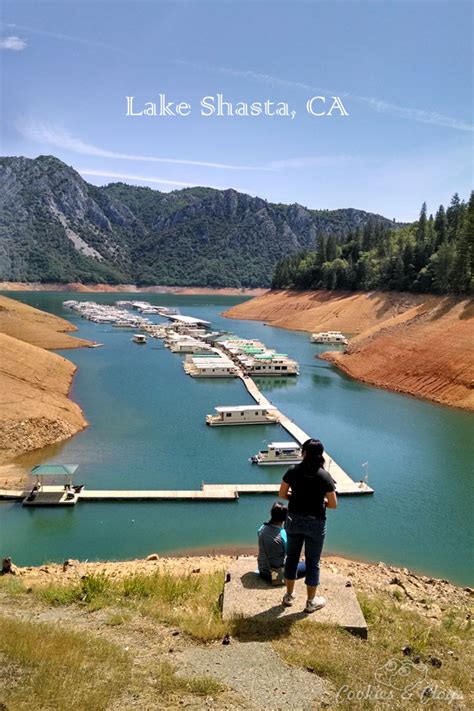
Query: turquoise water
x=147 y=430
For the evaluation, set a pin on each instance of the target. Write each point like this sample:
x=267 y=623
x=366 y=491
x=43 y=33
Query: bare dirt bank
x=120 y=288
x=417 y=344
x=429 y=353
x=324 y=310
x=37 y=327
x=35 y=410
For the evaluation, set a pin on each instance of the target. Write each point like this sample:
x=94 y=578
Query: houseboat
x=243 y=415
x=276 y=453
x=270 y=364
x=329 y=337
x=139 y=338
x=210 y=366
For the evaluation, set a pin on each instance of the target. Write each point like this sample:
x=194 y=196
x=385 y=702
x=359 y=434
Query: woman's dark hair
x=313 y=450
x=278 y=513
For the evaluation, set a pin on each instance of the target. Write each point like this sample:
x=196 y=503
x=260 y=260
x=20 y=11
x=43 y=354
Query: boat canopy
x=188 y=320
x=246 y=408
x=283 y=445
x=54 y=469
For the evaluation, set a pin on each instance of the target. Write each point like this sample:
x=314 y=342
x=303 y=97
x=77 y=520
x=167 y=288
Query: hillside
x=35 y=410
x=428 y=352
x=55 y=227
x=411 y=343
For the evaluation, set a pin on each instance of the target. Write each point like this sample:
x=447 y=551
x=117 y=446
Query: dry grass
x=167 y=684
x=438 y=655
x=58 y=669
x=354 y=666
x=191 y=602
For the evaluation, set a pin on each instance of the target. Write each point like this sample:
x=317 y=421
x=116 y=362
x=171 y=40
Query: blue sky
x=403 y=71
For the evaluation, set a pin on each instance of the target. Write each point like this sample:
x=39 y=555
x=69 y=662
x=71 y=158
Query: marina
x=147 y=432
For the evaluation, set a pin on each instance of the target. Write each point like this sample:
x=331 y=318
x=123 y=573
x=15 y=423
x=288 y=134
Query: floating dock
x=208 y=492
x=344 y=483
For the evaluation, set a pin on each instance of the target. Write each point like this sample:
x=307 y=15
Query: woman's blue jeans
x=308 y=531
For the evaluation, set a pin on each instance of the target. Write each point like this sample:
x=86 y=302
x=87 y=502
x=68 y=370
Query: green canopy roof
x=54 y=469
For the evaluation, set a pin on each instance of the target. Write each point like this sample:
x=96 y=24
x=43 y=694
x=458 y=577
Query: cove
x=147 y=431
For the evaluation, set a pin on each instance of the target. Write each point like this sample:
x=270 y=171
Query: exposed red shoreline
x=128 y=288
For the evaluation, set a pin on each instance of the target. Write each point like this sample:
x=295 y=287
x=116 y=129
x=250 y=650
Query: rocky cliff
x=55 y=227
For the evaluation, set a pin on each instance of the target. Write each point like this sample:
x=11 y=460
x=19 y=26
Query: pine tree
x=441 y=227
x=464 y=261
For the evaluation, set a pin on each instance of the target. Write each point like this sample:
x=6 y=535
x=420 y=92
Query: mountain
x=56 y=227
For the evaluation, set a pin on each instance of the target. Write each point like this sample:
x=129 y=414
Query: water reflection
x=274 y=383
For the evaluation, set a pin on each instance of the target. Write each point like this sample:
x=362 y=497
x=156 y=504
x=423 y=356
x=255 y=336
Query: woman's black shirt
x=308 y=488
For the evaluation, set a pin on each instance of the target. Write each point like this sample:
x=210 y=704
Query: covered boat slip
x=52 y=494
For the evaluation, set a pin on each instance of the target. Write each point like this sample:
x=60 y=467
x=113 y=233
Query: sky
x=402 y=71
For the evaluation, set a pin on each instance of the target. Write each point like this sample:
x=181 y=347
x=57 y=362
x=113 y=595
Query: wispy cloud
x=379 y=105
x=314 y=162
x=153 y=180
x=63 y=37
x=14 y=43
x=53 y=136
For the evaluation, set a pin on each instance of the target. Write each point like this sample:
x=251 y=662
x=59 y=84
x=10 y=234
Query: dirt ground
x=35 y=410
x=419 y=592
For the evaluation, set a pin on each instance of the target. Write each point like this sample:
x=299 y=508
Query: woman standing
x=310 y=489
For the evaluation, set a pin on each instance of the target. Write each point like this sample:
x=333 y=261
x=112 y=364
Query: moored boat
x=329 y=337
x=278 y=453
x=243 y=415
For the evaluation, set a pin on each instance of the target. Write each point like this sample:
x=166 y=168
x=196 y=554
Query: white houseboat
x=139 y=338
x=210 y=366
x=276 y=453
x=243 y=415
x=329 y=337
x=270 y=364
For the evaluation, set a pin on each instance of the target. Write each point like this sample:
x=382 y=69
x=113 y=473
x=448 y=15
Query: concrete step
x=247 y=595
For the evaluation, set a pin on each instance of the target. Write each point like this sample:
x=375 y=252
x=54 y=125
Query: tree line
x=433 y=255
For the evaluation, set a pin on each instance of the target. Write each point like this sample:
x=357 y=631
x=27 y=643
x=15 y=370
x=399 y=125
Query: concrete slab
x=257 y=673
x=248 y=595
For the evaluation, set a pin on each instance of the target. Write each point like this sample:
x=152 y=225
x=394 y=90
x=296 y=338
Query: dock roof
x=190 y=320
x=54 y=469
x=245 y=408
x=283 y=445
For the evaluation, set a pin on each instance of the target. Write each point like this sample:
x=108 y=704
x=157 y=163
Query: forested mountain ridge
x=55 y=227
x=434 y=255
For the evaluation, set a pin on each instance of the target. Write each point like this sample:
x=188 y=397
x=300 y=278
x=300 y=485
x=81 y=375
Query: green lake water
x=147 y=430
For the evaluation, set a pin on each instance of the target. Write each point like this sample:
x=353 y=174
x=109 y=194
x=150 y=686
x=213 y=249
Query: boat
x=270 y=364
x=278 y=453
x=330 y=337
x=209 y=365
x=139 y=338
x=243 y=415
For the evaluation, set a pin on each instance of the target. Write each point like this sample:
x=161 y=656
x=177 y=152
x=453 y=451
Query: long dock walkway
x=208 y=492
x=344 y=483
